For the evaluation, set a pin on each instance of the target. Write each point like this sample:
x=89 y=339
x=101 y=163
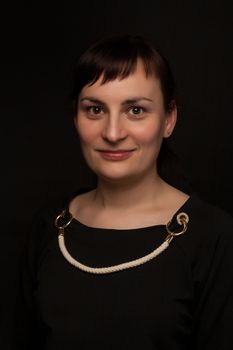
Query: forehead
x=136 y=84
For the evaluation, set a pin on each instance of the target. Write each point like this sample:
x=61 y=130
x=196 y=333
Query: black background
x=41 y=159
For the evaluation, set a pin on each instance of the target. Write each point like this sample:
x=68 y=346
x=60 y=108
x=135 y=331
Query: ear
x=170 y=122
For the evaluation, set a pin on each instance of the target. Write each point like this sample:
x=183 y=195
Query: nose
x=114 y=130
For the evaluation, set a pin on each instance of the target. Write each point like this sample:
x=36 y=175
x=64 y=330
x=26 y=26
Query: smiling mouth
x=116 y=154
x=115 y=151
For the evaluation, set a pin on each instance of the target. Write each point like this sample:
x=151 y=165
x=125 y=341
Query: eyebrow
x=126 y=102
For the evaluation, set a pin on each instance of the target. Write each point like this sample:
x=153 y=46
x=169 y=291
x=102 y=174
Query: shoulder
x=207 y=245
x=42 y=231
x=210 y=231
x=42 y=225
x=43 y=221
x=208 y=217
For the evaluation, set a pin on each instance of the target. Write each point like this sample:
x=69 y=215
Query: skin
x=126 y=114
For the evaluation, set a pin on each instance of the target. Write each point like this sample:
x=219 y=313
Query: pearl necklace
x=182 y=219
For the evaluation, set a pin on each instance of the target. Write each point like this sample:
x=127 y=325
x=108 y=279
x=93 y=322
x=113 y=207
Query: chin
x=117 y=175
x=114 y=176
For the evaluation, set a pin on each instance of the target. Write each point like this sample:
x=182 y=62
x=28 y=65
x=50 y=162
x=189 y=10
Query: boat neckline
x=184 y=208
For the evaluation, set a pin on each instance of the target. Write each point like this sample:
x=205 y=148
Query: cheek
x=150 y=135
x=87 y=132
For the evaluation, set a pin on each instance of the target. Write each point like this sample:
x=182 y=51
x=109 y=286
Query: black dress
x=180 y=300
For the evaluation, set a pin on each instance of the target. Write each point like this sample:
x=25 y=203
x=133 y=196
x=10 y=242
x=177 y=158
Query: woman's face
x=121 y=125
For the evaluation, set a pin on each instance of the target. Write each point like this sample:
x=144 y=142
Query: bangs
x=118 y=63
x=116 y=58
x=114 y=69
x=111 y=60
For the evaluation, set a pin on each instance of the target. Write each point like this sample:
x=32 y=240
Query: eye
x=94 y=110
x=136 y=110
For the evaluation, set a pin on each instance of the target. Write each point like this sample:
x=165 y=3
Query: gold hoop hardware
x=62 y=217
x=182 y=219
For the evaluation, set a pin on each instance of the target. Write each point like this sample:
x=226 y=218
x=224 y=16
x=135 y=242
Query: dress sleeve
x=213 y=326
x=28 y=332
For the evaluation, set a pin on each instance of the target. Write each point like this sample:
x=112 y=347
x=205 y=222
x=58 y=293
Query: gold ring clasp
x=182 y=219
x=62 y=216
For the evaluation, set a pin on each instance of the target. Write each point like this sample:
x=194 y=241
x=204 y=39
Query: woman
x=134 y=263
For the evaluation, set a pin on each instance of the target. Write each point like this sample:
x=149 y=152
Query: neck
x=130 y=194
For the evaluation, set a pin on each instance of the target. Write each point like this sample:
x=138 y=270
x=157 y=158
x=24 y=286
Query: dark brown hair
x=116 y=57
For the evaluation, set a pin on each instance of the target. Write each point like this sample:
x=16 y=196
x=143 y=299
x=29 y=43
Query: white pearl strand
x=182 y=219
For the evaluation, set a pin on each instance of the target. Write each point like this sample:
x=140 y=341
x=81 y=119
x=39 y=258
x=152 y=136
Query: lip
x=116 y=154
